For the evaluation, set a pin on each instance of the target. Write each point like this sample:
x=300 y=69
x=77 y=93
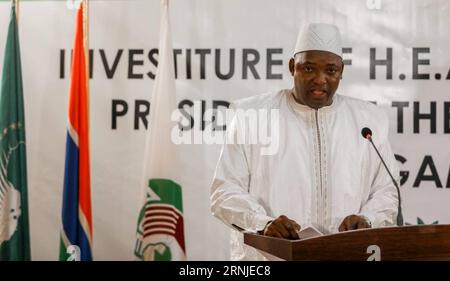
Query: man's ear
x=342 y=71
x=291 y=66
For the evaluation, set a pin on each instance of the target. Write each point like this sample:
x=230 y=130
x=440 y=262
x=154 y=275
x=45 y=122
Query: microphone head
x=366 y=133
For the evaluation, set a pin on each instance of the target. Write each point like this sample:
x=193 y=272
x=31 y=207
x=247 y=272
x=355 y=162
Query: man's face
x=316 y=77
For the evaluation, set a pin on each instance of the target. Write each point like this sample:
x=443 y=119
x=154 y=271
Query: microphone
x=367 y=134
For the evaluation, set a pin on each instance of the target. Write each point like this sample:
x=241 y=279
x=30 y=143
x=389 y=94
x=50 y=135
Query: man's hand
x=282 y=227
x=353 y=222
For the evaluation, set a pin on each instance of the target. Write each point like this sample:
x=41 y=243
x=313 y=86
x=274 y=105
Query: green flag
x=14 y=232
x=160 y=228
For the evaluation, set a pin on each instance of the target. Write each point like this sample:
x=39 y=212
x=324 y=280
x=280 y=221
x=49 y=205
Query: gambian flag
x=76 y=234
x=160 y=230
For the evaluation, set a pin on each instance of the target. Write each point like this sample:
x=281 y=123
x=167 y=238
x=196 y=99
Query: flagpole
x=86 y=48
x=16 y=3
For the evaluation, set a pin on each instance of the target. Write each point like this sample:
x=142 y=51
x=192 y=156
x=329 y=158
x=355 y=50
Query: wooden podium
x=418 y=242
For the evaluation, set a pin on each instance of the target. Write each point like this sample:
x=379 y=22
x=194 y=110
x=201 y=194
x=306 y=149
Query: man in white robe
x=324 y=173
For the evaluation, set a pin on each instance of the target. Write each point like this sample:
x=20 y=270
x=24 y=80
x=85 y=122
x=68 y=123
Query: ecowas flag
x=14 y=230
x=160 y=230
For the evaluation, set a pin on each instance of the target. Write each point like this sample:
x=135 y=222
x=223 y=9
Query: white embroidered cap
x=319 y=37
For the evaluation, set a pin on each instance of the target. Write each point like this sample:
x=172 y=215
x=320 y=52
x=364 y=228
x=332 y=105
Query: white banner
x=396 y=54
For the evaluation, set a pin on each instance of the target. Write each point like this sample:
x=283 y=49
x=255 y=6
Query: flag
x=14 y=230
x=160 y=227
x=76 y=234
